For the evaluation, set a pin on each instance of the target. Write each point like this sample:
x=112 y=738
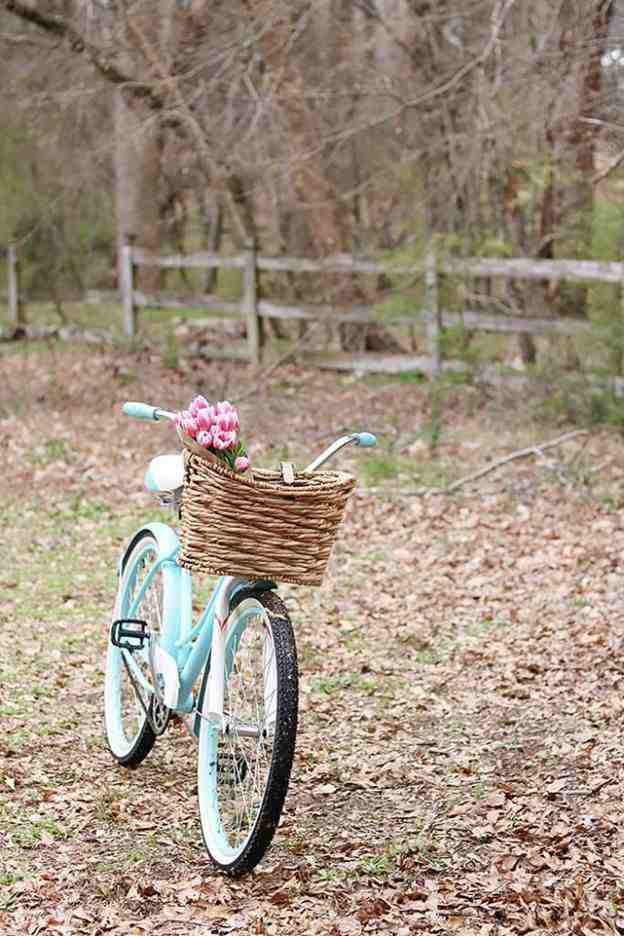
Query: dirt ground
x=459 y=761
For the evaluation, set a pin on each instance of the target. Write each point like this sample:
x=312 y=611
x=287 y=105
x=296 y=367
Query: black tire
x=280 y=734
x=142 y=549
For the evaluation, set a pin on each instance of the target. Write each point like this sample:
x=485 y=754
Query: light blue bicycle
x=232 y=675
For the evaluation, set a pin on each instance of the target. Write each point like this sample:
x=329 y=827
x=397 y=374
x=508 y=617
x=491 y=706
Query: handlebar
x=146 y=411
x=356 y=438
x=153 y=414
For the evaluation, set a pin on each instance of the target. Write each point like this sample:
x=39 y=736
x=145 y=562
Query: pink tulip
x=198 y=404
x=227 y=415
x=190 y=427
x=204 y=438
x=227 y=422
x=212 y=426
x=223 y=440
x=204 y=417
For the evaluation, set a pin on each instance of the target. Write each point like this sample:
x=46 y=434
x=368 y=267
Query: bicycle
x=241 y=653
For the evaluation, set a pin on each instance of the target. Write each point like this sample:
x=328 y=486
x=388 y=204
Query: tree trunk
x=137 y=173
x=211 y=214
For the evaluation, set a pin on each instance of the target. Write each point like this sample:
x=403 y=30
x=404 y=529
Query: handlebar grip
x=140 y=410
x=365 y=438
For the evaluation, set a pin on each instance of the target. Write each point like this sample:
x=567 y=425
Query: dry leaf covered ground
x=460 y=750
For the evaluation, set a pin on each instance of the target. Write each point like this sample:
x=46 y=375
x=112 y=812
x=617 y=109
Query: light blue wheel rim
x=215 y=836
x=121 y=743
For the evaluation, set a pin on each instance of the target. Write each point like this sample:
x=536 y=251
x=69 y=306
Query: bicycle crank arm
x=156 y=714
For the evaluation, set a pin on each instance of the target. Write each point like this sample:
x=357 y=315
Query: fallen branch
x=521 y=453
x=449 y=489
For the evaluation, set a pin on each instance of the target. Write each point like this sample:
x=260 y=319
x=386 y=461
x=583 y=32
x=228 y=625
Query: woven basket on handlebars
x=259 y=526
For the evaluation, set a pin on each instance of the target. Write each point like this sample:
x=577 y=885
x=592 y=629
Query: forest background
x=312 y=129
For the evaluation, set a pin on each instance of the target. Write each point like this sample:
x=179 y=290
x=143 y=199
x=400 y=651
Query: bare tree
x=352 y=125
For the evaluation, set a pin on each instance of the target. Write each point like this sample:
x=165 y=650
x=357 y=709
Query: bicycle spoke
x=244 y=767
x=248 y=759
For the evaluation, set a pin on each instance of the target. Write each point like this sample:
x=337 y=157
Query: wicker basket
x=260 y=526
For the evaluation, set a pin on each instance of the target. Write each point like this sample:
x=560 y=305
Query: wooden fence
x=252 y=310
x=15 y=307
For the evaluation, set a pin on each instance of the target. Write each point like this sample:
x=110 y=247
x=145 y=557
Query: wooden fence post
x=249 y=303
x=126 y=286
x=16 y=309
x=432 y=311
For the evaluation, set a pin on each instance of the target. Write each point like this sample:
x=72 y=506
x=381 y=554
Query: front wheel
x=244 y=764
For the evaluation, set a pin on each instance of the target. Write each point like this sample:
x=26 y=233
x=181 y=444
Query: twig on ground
x=521 y=453
x=475 y=475
x=577 y=455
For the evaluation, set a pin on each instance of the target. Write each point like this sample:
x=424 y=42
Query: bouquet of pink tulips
x=214 y=427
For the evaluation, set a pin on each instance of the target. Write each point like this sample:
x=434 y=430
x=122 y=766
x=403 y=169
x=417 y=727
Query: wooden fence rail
x=435 y=319
x=252 y=310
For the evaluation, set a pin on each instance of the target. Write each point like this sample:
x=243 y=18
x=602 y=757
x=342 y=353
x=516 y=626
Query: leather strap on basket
x=288 y=472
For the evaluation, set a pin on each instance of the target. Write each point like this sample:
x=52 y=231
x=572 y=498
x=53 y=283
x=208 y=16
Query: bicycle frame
x=182 y=650
x=183 y=646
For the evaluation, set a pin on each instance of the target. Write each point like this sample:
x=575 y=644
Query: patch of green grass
x=420 y=849
x=30 y=832
x=332 y=684
x=329 y=875
x=107 y=807
x=435 y=473
x=479 y=789
x=40 y=691
x=374 y=555
x=10 y=676
x=485 y=625
x=7 y=901
x=376 y=865
x=11 y=877
x=610 y=501
x=50 y=451
x=170 y=353
x=412 y=377
x=427 y=655
x=354 y=640
x=137 y=855
x=378 y=467
x=310 y=656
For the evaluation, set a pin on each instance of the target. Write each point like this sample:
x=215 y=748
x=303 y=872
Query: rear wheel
x=244 y=765
x=129 y=733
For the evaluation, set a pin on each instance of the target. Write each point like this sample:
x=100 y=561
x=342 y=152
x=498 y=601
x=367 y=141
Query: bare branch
x=609 y=168
x=102 y=58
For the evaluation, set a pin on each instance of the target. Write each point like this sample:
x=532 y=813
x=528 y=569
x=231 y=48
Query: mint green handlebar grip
x=140 y=410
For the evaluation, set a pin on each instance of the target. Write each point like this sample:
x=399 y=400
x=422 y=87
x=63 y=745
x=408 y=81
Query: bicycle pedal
x=129 y=634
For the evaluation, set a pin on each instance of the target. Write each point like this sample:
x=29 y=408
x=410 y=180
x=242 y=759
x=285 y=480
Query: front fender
x=177 y=583
x=166 y=538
